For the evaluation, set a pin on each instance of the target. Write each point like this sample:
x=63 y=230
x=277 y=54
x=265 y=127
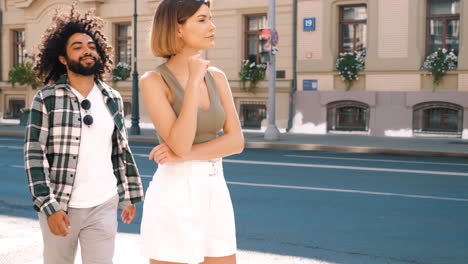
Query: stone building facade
x=393 y=96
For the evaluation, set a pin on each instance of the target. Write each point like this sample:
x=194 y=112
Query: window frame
x=332 y=118
x=444 y=18
x=260 y=108
x=342 y=21
x=419 y=118
x=120 y=38
x=248 y=32
x=16 y=52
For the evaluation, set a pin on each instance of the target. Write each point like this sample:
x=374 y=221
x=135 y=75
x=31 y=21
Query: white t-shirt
x=95 y=181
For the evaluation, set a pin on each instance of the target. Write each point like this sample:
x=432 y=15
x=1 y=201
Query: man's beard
x=78 y=68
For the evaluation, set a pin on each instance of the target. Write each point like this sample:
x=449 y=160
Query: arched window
x=438 y=117
x=347 y=116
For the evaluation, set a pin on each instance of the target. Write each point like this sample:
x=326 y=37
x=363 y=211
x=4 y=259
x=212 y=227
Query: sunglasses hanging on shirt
x=86 y=105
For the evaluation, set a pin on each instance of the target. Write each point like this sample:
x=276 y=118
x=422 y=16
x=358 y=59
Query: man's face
x=81 y=55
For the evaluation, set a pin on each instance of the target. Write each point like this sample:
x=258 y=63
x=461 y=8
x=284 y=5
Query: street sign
x=275 y=38
x=310 y=85
x=309 y=24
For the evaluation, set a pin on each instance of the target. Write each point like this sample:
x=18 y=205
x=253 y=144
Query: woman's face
x=198 y=31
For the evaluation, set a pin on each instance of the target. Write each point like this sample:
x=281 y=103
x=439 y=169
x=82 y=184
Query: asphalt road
x=312 y=207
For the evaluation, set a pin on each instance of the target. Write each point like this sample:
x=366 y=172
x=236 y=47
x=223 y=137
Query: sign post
x=272 y=132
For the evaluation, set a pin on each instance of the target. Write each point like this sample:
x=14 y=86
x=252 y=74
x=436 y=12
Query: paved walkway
x=21 y=242
x=330 y=142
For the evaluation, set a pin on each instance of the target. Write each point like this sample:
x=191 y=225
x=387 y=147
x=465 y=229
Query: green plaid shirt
x=52 y=145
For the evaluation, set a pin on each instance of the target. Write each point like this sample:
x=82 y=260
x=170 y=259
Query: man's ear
x=62 y=60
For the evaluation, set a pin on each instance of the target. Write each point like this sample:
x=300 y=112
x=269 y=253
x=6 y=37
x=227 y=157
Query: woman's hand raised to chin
x=162 y=154
x=197 y=68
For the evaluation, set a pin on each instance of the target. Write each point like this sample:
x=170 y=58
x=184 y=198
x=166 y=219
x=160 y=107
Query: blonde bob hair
x=163 y=36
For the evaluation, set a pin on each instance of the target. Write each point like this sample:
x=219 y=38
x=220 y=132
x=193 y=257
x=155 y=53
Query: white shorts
x=188 y=214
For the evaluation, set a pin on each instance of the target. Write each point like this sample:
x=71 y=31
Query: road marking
x=396 y=161
x=308 y=165
x=11 y=147
x=343 y=167
x=11 y=139
x=339 y=190
x=288 y=164
x=141 y=155
x=349 y=191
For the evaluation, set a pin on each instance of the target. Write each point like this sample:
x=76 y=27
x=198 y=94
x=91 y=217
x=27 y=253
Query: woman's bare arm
x=231 y=142
x=177 y=131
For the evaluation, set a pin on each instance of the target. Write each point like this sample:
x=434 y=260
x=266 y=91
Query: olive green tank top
x=210 y=121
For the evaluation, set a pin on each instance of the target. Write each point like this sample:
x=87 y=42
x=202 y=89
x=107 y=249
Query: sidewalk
x=455 y=147
x=21 y=242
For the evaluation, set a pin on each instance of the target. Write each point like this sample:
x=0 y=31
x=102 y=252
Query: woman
x=188 y=215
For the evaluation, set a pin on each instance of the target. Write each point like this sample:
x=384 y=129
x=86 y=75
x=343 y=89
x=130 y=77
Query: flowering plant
x=348 y=65
x=121 y=72
x=439 y=62
x=253 y=72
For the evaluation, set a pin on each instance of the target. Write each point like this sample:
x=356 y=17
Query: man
x=77 y=158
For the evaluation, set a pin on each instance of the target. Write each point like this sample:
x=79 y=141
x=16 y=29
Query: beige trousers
x=94 y=228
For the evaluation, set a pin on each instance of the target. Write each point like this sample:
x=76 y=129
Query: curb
x=352 y=149
x=309 y=147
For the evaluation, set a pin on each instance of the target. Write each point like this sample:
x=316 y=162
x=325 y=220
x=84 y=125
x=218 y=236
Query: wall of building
x=35 y=16
x=392 y=77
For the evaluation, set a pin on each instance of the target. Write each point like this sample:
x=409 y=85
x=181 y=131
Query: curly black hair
x=48 y=68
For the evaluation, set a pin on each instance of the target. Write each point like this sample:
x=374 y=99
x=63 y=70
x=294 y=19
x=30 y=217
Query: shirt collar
x=62 y=82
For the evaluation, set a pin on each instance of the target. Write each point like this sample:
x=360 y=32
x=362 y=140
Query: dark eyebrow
x=202 y=15
x=79 y=42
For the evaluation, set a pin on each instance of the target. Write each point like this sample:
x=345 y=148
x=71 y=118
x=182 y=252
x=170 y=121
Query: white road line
x=11 y=139
x=11 y=147
x=325 y=189
x=380 y=160
x=141 y=155
x=305 y=165
x=462 y=174
x=349 y=191
x=340 y=190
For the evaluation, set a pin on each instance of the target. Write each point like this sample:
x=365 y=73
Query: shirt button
x=71 y=175
x=68 y=194
x=74 y=157
x=77 y=138
x=79 y=118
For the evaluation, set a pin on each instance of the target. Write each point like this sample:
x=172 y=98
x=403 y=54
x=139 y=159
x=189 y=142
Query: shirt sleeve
x=135 y=187
x=36 y=163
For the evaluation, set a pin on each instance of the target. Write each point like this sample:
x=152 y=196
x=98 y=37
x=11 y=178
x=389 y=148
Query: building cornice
x=23 y=3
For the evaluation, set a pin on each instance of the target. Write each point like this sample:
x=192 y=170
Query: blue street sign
x=310 y=85
x=309 y=24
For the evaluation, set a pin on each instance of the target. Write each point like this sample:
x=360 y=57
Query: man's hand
x=128 y=213
x=59 y=223
x=162 y=154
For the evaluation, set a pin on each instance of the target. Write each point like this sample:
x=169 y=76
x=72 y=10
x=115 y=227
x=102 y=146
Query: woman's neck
x=179 y=62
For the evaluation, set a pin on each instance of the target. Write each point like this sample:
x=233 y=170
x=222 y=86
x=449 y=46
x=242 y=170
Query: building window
x=438 y=118
x=14 y=107
x=127 y=108
x=443 y=25
x=353 y=28
x=252 y=114
x=123 y=39
x=253 y=26
x=19 y=49
x=347 y=116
